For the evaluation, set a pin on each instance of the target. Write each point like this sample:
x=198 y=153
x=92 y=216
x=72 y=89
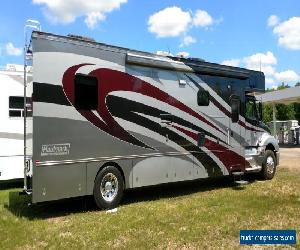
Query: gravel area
x=290 y=158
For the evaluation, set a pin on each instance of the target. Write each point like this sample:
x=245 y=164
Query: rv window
x=86 y=92
x=250 y=111
x=253 y=109
x=235 y=108
x=16 y=102
x=16 y=106
x=15 y=113
x=203 y=98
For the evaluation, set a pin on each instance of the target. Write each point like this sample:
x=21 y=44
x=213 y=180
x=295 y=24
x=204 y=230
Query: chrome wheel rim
x=270 y=165
x=109 y=187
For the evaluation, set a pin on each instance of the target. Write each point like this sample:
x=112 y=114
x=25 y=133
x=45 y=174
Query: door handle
x=228 y=136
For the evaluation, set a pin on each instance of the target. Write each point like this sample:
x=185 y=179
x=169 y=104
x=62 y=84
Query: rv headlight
x=251 y=151
x=261 y=150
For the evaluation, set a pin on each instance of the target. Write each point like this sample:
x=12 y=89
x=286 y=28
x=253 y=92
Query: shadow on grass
x=19 y=204
x=17 y=183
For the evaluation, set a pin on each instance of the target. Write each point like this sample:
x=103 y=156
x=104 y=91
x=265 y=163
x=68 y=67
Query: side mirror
x=260 y=111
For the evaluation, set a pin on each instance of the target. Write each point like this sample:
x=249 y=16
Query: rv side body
x=12 y=121
x=145 y=118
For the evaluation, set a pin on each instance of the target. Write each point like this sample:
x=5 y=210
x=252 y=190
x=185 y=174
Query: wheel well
x=271 y=147
x=116 y=166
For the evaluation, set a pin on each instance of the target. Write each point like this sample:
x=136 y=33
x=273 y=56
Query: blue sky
x=233 y=32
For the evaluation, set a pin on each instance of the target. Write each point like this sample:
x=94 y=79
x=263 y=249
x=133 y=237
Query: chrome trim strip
x=3 y=156
x=99 y=159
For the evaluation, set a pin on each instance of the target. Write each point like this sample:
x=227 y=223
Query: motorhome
x=104 y=119
x=12 y=121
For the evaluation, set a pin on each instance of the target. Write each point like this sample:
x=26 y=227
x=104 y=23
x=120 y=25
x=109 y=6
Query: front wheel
x=108 y=188
x=268 y=165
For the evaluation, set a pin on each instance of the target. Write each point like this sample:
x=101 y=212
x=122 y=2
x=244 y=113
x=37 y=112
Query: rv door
x=235 y=134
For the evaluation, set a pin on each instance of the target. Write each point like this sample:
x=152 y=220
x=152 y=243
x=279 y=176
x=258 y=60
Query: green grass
x=207 y=214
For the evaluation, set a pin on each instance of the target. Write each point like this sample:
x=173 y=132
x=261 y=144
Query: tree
x=283 y=86
x=267 y=113
x=297 y=111
x=285 y=112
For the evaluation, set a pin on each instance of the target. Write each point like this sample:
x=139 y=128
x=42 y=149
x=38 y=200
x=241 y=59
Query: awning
x=284 y=96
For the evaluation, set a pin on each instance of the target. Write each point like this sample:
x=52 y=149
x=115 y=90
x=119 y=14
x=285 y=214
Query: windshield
x=251 y=109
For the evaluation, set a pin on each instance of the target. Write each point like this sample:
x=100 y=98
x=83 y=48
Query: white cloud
x=287 y=76
x=261 y=61
x=188 y=40
x=171 y=21
x=289 y=33
x=93 y=18
x=232 y=62
x=66 y=11
x=202 y=19
x=260 y=58
x=269 y=81
x=273 y=20
x=183 y=54
x=265 y=62
x=11 y=50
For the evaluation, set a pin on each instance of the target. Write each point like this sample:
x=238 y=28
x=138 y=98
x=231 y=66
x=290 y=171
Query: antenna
x=260 y=64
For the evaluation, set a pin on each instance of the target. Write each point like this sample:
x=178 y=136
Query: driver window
x=250 y=110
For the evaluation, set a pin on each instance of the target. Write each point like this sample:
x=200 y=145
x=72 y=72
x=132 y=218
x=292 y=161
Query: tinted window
x=15 y=113
x=16 y=102
x=16 y=106
x=235 y=108
x=250 y=109
x=203 y=98
x=86 y=92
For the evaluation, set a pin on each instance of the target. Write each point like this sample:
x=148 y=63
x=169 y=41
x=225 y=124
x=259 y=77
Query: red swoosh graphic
x=112 y=80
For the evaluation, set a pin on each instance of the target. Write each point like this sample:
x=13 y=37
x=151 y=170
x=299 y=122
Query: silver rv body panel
x=70 y=146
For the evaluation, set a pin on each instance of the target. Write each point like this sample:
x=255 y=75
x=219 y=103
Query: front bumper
x=254 y=156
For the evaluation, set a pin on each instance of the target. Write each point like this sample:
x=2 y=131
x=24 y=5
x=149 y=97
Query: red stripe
x=231 y=160
x=113 y=80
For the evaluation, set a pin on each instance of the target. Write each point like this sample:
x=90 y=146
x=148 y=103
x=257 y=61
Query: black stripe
x=49 y=93
x=128 y=110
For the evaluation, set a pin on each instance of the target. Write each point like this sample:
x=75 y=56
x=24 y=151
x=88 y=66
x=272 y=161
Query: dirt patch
x=290 y=159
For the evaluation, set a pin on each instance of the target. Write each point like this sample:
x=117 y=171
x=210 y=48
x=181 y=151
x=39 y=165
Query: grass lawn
x=206 y=214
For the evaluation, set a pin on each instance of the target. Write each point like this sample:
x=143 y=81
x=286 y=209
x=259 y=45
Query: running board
x=241 y=182
x=237 y=178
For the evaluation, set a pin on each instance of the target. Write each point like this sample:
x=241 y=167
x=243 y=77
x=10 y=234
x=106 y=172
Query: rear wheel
x=108 y=188
x=269 y=165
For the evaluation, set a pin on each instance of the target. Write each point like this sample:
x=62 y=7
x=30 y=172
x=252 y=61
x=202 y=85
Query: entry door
x=235 y=132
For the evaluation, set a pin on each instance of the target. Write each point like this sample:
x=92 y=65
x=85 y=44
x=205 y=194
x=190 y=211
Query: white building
x=11 y=122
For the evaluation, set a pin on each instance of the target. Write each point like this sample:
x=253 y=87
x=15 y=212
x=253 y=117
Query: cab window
x=250 y=109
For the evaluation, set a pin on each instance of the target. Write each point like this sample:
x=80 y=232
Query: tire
x=268 y=165
x=108 y=188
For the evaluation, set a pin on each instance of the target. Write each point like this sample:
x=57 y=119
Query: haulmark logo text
x=56 y=149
